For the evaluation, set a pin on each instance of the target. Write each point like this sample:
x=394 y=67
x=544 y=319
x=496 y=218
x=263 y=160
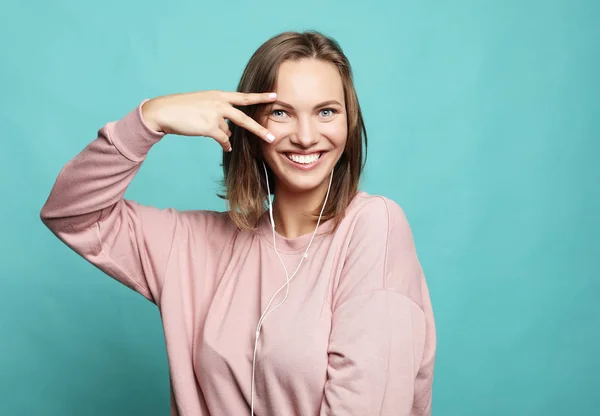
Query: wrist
x=149 y=115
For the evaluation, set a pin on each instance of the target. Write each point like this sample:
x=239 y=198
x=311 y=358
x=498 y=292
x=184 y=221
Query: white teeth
x=304 y=159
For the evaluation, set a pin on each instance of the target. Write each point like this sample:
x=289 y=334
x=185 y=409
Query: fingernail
x=273 y=95
x=270 y=137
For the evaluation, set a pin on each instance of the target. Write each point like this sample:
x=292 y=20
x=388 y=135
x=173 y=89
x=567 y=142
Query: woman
x=312 y=304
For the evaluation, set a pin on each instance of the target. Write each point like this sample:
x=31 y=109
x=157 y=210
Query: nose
x=306 y=134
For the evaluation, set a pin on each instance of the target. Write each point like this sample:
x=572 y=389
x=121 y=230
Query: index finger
x=242 y=98
x=247 y=122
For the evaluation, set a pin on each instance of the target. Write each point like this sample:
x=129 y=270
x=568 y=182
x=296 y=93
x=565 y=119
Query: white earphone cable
x=288 y=278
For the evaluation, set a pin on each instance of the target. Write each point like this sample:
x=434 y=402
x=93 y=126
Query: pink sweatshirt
x=356 y=335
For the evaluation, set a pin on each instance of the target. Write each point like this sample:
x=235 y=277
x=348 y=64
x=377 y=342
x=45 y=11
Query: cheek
x=269 y=153
x=280 y=130
x=336 y=132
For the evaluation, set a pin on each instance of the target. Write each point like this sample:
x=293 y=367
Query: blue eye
x=278 y=113
x=328 y=112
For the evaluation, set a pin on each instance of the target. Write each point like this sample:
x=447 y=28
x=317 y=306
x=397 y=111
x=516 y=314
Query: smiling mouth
x=304 y=159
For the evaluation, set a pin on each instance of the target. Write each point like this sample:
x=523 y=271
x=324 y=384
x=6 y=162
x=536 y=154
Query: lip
x=304 y=166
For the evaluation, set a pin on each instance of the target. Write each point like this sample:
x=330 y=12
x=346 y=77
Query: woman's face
x=309 y=123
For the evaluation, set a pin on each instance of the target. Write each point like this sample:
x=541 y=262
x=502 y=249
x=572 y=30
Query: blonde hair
x=244 y=179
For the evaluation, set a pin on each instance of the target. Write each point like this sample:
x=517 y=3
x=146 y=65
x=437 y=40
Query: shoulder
x=376 y=225
x=377 y=215
x=210 y=226
x=381 y=254
x=204 y=217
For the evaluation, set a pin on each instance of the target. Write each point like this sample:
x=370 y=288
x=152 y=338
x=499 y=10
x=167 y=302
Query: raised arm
x=86 y=208
x=87 y=211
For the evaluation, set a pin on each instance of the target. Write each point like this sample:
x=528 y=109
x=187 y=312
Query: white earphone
x=266 y=312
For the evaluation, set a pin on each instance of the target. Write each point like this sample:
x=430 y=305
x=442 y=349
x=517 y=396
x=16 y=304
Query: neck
x=291 y=210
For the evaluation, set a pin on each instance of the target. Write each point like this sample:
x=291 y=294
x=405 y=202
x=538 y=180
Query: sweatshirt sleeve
x=86 y=209
x=382 y=341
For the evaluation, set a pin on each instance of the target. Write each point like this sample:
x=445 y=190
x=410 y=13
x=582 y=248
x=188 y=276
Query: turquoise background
x=483 y=118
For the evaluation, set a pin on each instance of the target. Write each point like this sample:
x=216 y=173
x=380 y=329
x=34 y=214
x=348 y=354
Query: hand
x=204 y=113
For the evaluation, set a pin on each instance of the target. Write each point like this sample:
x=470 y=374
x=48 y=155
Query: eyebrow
x=324 y=103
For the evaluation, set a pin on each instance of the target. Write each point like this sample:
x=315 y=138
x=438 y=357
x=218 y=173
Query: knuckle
x=213 y=118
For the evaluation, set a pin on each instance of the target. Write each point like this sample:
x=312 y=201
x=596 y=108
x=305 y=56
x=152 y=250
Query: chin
x=304 y=185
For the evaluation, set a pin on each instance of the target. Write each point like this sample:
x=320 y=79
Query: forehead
x=308 y=81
